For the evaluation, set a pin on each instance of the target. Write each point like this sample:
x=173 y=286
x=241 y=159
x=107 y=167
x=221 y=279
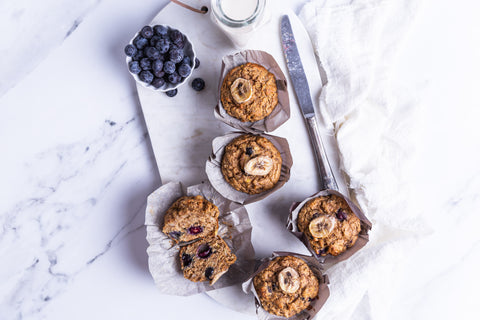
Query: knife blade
x=302 y=92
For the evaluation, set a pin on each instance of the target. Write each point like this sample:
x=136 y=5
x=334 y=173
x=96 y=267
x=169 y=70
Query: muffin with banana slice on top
x=249 y=92
x=251 y=164
x=286 y=286
x=329 y=225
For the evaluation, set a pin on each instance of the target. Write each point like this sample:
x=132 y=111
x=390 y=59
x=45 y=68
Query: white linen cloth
x=357 y=42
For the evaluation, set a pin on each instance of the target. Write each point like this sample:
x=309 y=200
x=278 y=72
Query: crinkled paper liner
x=316 y=304
x=280 y=113
x=163 y=258
x=214 y=170
x=329 y=260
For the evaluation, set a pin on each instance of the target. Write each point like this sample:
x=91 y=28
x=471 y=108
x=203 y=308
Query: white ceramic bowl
x=189 y=52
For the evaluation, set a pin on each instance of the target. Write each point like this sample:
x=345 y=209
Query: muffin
x=251 y=164
x=190 y=218
x=329 y=225
x=249 y=92
x=286 y=287
x=206 y=259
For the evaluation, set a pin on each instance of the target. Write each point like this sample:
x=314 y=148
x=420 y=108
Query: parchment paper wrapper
x=316 y=304
x=329 y=260
x=215 y=176
x=279 y=115
x=163 y=259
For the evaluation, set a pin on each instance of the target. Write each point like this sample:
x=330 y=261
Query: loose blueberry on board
x=158 y=82
x=169 y=67
x=160 y=30
x=146 y=76
x=140 y=42
x=184 y=70
x=186 y=260
x=130 y=50
x=198 y=84
x=146 y=64
x=147 y=32
x=171 y=93
x=197 y=63
x=209 y=273
x=134 y=67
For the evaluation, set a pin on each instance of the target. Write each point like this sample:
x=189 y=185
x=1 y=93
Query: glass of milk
x=238 y=19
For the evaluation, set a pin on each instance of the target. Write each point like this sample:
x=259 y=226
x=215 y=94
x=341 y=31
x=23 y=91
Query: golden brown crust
x=264 y=99
x=345 y=232
x=190 y=218
x=239 y=152
x=206 y=259
x=278 y=302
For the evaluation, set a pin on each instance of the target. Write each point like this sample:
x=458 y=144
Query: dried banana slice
x=259 y=166
x=289 y=280
x=241 y=90
x=322 y=226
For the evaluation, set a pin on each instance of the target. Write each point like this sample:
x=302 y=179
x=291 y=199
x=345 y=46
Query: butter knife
x=302 y=91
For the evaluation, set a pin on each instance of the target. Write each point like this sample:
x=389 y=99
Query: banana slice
x=241 y=90
x=322 y=227
x=289 y=280
x=259 y=166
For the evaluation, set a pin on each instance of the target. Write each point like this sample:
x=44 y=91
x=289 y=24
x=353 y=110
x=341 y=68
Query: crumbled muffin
x=190 y=218
x=249 y=92
x=286 y=287
x=251 y=164
x=329 y=225
x=206 y=259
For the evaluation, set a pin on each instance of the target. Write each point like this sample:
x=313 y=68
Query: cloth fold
x=357 y=42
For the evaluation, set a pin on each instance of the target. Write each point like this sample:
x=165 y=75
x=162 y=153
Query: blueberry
x=341 y=215
x=157 y=65
x=171 y=93
x=204 y=251
x=184 y=70
x=209 y=273
x=159 y=74
x=134 y=67
x=197 y=63
x=198 y=84
x=187 y=61
x=249 y=151
x=139 y=55
x=323 y=251
x=186 y=260
x=153 y=40
x=195 y=230
x=163 y=45
x=140 y=42
x=158 y=82
x=130 y=50
x=176 y=37
x=169 y=67
x=174 y=78
x=176 y=55
x=147 y=32
x=160 y=30
x=146 y=76
x=175 y=235
x=152 y=53
x=146 y=64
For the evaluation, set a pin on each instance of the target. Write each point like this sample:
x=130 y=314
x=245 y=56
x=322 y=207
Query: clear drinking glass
x=238 y=19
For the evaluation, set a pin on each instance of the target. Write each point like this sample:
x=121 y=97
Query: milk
x=239 y=9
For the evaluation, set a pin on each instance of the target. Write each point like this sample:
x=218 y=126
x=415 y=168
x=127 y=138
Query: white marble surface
x=77 y=166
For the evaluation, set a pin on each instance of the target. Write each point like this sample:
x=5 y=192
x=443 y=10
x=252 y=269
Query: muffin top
x=251 y=164
x=190 y=218
x=206 y=259
x=286 y=286
x=329 y=225
x=249 y=92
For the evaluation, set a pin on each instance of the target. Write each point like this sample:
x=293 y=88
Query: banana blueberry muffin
x=329 y=225
x=286 y=286
x=249 y=92
x=206 y=259
x=190 y=218
x=251 y=164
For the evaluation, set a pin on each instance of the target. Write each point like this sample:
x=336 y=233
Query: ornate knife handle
x=328 y=179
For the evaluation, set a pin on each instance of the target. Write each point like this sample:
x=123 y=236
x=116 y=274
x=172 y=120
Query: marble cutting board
x=182 y=128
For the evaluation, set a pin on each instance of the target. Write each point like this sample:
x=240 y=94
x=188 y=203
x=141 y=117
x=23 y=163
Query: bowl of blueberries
x=161 y=58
